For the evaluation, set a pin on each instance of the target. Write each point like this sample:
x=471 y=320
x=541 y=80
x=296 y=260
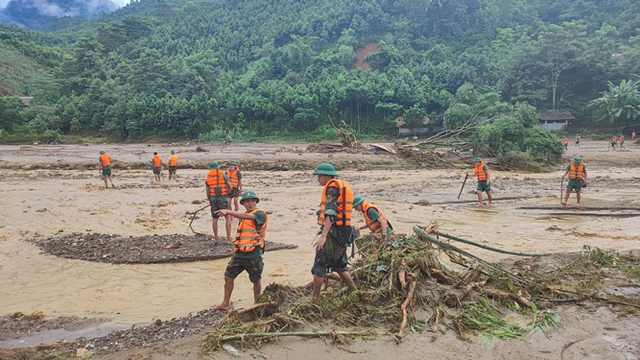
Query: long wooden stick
x=194 y=217
x=466 y=176
x=593 y=296
x=290 y=333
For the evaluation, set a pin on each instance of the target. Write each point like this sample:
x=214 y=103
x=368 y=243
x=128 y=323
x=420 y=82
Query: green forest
x=256 y=69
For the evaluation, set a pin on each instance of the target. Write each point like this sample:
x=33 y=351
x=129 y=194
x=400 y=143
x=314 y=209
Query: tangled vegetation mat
x=407 y=283
x=147 y=249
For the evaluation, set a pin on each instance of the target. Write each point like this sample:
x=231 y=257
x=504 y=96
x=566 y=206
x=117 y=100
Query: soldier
x=105 y=164
x=334 y=218
x=248 y=247
x=217 y=187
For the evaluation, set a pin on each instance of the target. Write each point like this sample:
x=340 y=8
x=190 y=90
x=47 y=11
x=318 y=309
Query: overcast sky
x=120 y=3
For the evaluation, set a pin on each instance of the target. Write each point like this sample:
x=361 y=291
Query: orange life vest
x=480 y=173
x=173 y=160
x=621 y=138
x=344 y=202
x=233 y=177
x=614 y=139
x=215 y=180
x=105 y=159
x=576 y=172
x=248 y=237
x=373 y=225
x=157 y=161
x=578 y=138
x=565 y=140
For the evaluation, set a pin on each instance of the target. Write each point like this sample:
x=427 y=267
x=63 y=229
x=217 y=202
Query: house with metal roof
x=555 y=119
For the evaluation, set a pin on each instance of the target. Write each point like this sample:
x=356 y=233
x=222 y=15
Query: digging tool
x=194 y=217
x=561 y=190
x=466 y=176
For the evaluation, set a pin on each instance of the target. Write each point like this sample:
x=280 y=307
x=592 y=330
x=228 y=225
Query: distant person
x=248 y=247
x=577 y=140
x=334 y=218
x=173 y=165
x=481 y=172
x=105 y=163
x=374 y=219
x=217 y=187
x=235 y=179
x=565 y=142
x=614 y=142
x=633 y=135
x=621 y=141
x=157 y=166
x=577 y=178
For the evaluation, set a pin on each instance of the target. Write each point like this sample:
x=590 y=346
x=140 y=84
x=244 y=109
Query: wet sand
x=42 y=202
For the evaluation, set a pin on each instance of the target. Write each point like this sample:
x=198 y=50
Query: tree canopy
x=276 y=67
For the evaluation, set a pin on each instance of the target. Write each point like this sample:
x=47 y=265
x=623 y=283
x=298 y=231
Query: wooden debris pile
x=405 y=283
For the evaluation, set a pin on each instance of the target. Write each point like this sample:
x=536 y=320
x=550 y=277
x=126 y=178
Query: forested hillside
x=242 y=69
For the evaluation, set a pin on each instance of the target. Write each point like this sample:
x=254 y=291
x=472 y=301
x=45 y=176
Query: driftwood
x=435 y=325
x=507 y=295
x=256 y=306
x=405 y=304
x=438 y=274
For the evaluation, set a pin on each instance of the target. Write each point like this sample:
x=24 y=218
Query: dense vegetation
x=242 y=69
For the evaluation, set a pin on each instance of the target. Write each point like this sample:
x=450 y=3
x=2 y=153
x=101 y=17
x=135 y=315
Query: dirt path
x=56 y=194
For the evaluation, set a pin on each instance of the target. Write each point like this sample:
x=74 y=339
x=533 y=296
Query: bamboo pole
x=520 y=253
x=593 y=296
x=424 y=236
x=289 y=333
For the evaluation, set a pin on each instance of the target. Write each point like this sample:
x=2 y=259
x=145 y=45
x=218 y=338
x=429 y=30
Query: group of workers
x=223 y=188
x=335 y=235
x=565 y=142
x=157 y=166
x=616 y=141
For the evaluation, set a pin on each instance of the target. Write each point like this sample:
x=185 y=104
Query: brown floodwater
x=45 y=202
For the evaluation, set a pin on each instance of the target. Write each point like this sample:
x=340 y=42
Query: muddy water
x=42 y=202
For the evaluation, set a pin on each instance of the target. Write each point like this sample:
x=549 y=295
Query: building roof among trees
x=555 y=114
x=400 y=121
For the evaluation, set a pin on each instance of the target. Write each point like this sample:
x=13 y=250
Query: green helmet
x=357 y=201
x=214 y=165
x=477 y=159
x=325 y=169
x=249 y=195
x=577 y=159
x=173 y=151
x=231 y=162
x=102 y=152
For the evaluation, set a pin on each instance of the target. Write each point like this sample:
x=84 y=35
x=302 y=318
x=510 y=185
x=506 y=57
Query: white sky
x=3 y=3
